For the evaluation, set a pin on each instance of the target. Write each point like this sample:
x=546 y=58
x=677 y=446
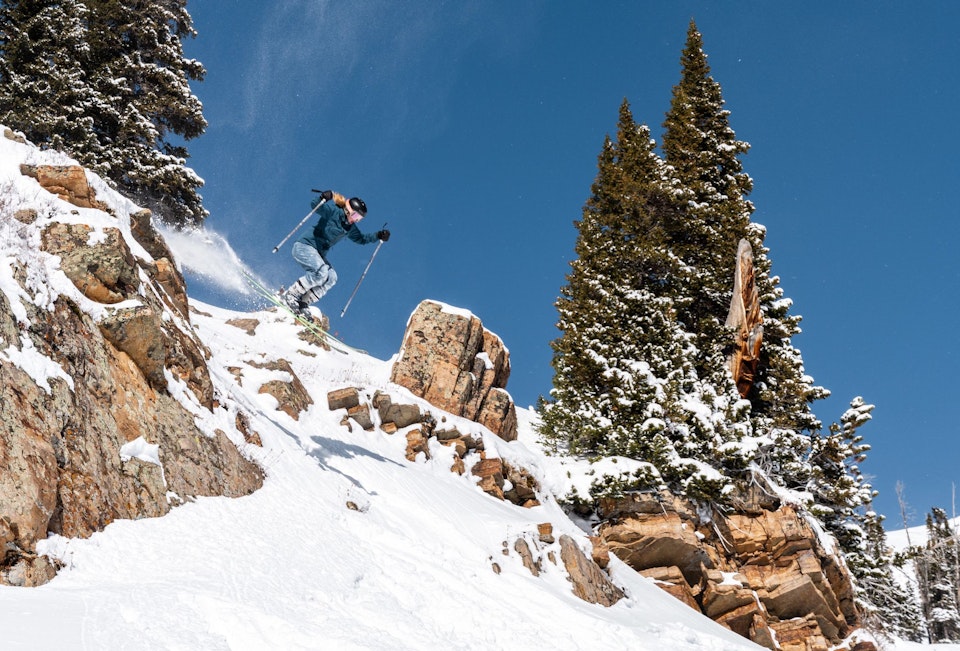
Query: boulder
x=289 y=391
x=69 y=182
x=490 y=472
x=399 y=414
x=450 y=360
x=590 y=583
x=523 y=549
x=417 y=443
x=343 y=399
x=138 y=332
x=104 y=271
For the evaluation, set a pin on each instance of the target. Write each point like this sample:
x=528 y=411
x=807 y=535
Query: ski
x=308 y=323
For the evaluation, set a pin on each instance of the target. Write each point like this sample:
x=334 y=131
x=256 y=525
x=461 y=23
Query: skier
x=338 y=219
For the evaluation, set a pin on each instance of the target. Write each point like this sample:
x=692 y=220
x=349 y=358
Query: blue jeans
x=320 y=276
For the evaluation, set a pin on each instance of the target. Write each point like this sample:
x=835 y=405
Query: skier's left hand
x=383 y=235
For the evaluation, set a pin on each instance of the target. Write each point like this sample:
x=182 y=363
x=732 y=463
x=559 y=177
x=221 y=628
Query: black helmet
x=357 y=204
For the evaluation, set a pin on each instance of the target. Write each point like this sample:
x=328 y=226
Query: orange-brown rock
x=343 y=398
x=292 y=397
x=545 y=535
x=399 y=414
x=61 y=467
x=67 y=182
x=663 y=540
x=590 y=583
x=671 y=581
x=523 y=549
x=247 y=325
x=417 y=443
x=450 y=360
x=490 y=472
x=104 y=271
x=748 y=571
x=800 y=634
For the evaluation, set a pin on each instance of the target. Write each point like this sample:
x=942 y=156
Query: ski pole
x=302 y=222
x=362 y=276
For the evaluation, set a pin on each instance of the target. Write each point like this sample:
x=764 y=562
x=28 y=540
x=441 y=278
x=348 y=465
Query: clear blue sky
x=473 y=129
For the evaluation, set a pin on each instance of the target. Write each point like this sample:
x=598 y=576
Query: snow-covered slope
x=292 y=567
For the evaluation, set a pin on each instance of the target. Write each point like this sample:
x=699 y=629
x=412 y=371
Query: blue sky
x=472 y=129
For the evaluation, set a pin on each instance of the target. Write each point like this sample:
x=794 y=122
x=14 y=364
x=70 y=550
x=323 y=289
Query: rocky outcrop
x=586 y=575
x=762 y=573
x=101 y=265
x=494 y=476
x=68 y=182
x=89 y=429
x=746 y=321
x=450 y=360
x=590 y=583
x=292 y=397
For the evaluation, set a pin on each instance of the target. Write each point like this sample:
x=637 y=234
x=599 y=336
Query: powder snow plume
x=208 y=255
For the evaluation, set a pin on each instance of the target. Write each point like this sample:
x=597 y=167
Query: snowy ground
x=291 y=566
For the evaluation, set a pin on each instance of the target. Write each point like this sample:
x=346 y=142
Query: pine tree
x=597 y=376
x=107 y=82
x=887 y=606
x=138 y=61
x=624 y=382
x=837 y=487
x=44 y=57
x=701 y=146
x=938 y=573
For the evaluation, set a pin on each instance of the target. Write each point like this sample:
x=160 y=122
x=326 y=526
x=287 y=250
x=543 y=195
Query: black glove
x=383 y=235
x=327 y=195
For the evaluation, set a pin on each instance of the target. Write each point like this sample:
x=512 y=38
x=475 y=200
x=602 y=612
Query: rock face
x=763 y=574
x=69 y=432
x=450 y=360
x=745 y=318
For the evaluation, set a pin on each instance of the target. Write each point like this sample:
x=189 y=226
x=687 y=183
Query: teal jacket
x=333 y=227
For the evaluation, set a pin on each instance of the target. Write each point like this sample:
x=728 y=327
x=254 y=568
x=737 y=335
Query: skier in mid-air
x=338 y=219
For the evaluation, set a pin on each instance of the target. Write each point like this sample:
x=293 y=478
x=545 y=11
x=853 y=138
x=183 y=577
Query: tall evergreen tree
x=44 y=59
x=837 y=485
x=137 y=53
x=123 y=105
x=938 y=573
x=624 y=382
x=700 y=145
x=887 y=606
x=594 y=372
